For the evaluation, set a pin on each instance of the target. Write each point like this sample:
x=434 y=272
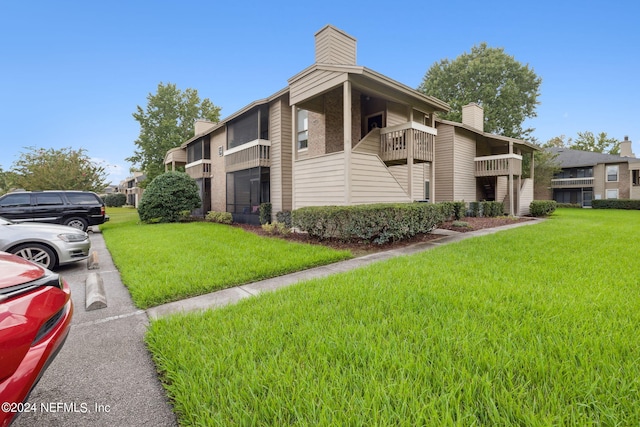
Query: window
x=250 y=126
x=636 y=177
x=198 y=150
x=16 y=201
x=303 y=129
x=612 y=174
x=48 y=199
x=427 y=190
x=612 y=194
x=84 y=198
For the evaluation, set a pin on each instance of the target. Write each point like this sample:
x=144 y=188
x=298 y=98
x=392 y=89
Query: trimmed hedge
x=219 y=217
x=486 y=209
x=265 y=213
x=629 y=204
x=454 y=210
x=378 y=223
x=284 y=217
x=115 y=200
x=542 y=207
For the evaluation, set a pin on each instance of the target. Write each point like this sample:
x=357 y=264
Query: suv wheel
x=77 y=222
x=37 y=253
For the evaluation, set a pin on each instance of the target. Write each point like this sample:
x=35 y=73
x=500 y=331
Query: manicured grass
x=533 y=326
x=166 y=262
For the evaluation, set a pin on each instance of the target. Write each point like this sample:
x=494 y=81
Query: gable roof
x=577 y=158
x=521 y=142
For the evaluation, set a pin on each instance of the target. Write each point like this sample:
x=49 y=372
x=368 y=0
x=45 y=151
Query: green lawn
x=167 y=262
x=533 y=326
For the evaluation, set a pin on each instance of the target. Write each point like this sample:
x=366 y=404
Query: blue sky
x=73 y=72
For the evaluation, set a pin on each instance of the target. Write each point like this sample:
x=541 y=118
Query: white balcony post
x=294 y=153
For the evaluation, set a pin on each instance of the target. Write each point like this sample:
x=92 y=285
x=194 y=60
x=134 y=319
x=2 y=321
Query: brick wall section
x=325 y=130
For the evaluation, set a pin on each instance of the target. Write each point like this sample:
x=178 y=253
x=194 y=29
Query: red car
x=35 y=318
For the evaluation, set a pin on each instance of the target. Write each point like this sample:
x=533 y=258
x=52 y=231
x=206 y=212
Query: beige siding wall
x=314 y=84
x=334 y=46
x=370 y=143
x=218 y=174
x=598 y=182
x=464 y=166
x=526 y=196
x=319 y=181
x=419 y=177
x=399 y=172
x=280 y=136
x=444 y=163
x=396 y=114
x=372 y=182
x=502 y=190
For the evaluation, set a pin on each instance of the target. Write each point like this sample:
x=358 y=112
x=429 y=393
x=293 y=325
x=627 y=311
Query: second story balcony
x=499 y=165
x=572 y=182
x=408 y=140
x=249 y=155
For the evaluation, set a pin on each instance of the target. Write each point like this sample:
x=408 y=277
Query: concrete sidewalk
x=235 y=294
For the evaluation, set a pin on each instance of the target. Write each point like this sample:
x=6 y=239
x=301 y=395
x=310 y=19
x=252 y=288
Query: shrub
x=378 y=223
x=542 y=207
x=284 y=217
x=115 y=200
x=475 y=209
x=219 y=217
x=616 y=204
x=265 y=213
x=167 y=197
x=492 y=209
x=277 y=228
x=454 y=210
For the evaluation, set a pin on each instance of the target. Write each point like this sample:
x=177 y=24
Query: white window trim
x=606 y=171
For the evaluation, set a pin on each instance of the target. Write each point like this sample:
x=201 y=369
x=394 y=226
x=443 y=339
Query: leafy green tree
x=63 y=169
x=507 y=90
x=6 y=181
x=166 y=123
x=558 y=142
x=587 y=141
x=168 y=197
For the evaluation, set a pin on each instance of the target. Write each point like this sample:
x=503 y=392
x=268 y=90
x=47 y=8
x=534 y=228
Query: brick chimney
x=625 y=148
x=334 y=46
x=473 y=115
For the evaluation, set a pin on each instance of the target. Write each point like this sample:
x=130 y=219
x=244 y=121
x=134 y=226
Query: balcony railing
x=199 y=169
x=502 y=164
x=571 y=182
x=398 y=142
x=249 y=155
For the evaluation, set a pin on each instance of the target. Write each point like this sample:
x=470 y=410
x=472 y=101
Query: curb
x=95 y=297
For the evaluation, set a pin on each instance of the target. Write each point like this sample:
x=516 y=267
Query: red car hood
x=16 y=271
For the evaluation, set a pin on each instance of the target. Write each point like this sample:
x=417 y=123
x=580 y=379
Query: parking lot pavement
x=103 y=376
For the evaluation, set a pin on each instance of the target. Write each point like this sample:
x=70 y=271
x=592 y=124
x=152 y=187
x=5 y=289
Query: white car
x=49 y=245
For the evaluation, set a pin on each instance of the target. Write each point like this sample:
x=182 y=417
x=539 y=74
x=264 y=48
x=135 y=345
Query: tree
x=6 y=181
x=167 y=197
x=545 y=167
x=166 y=123
x=587 y=141
x=506 y=89
x=558 y=142
x=63 y=169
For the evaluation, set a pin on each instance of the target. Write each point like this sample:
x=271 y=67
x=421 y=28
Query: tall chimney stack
x=625 y=148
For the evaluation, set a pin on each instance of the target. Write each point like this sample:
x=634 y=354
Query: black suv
x=78 y=209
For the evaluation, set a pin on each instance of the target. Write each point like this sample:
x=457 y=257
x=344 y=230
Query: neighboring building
x=342 y=134
x=130 y=188
x=587 y=176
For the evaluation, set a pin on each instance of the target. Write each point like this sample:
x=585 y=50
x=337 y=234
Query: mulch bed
x=362 y=248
